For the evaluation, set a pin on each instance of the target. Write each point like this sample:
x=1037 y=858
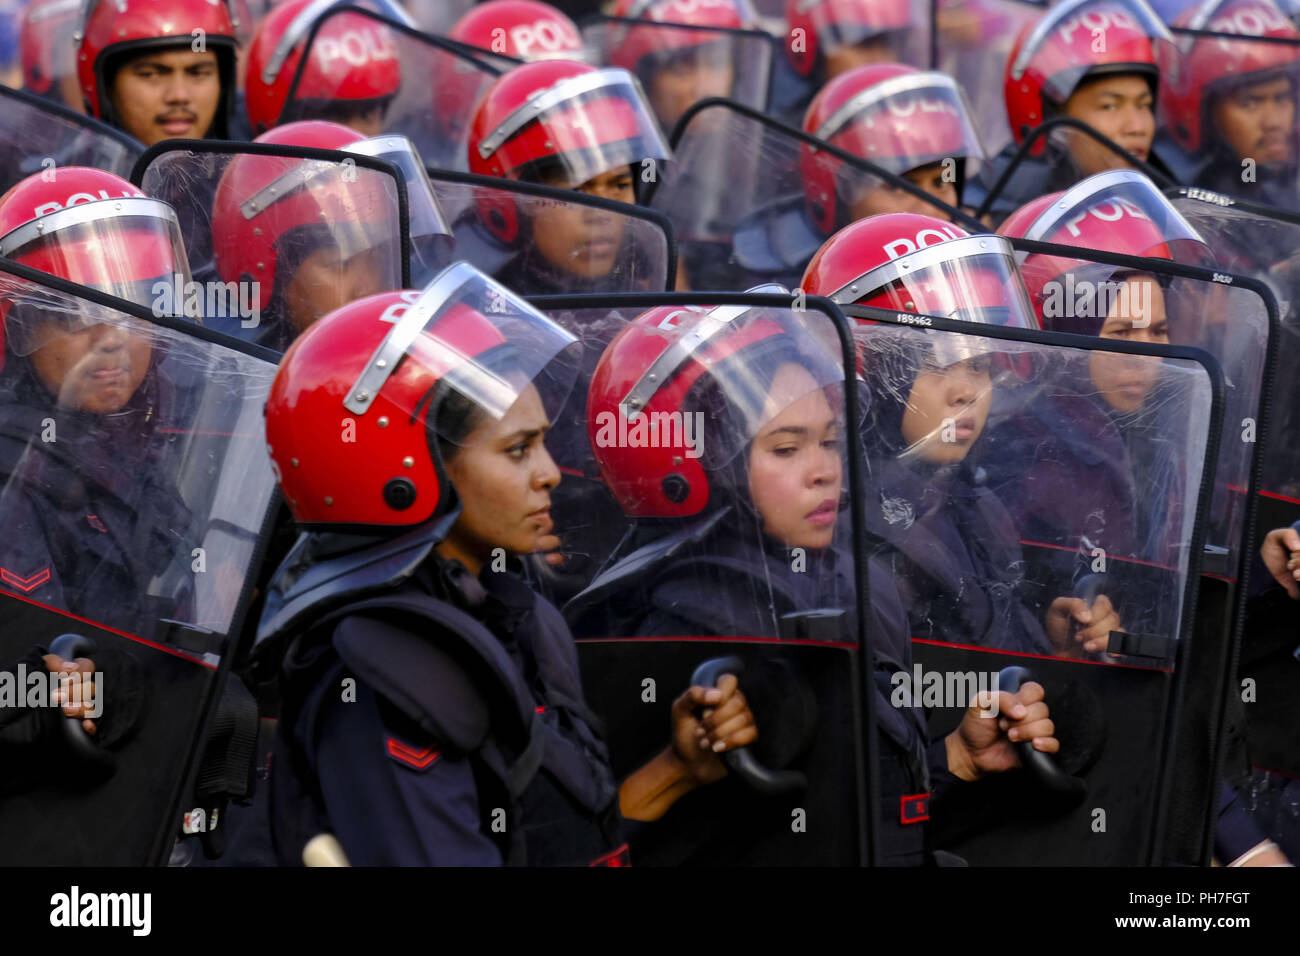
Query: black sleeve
x=26 y=733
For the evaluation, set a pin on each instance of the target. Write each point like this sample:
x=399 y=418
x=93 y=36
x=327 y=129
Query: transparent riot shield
x=973 y=39
x=751 y=200
x=278 y=236
x=974 y=434
x=1233 y=318
x=679 y=65
x=135 y=504
x=1016 y=176
x=1264 y=243
x=37 y=135
x=539 y=240
x=427 y=91
x=438 y=16
x=669 y=576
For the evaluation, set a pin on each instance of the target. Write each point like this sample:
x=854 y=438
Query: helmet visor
x=479 y=347
x=972 y=279
x=897 y=27
x=585 y=125
x=729 y=371
x=905 y=122
x=431 y=236
x=129 y=247
x=1120 y=211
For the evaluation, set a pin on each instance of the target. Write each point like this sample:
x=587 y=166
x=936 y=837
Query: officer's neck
x=453 y=550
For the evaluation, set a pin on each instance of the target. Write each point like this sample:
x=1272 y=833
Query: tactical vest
x=536 y=750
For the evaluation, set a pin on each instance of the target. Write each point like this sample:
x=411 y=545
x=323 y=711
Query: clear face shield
x=585 y=125
x=431 y=235
x=123 y=247
x=905 y=123
x=973 y=279
x=488 y=358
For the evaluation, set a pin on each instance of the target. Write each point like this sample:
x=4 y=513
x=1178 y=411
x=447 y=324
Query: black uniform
x=467 y=741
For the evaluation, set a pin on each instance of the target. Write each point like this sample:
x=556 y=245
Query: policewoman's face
x=687 y=80
x=580 y=240
x=795 y=468
x=504 y=476
x=1136 y=315
x=95 y=369
x=947 y=409
x=884 y=199
x=326 y=281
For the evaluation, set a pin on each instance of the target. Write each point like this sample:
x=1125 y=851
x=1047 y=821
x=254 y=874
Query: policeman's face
x=794 y=463
x=1258 y=121
x=1137 y=314
x=685 y=80
x=94 y=369
x=580 y=240
x=1120 y=107
x=841 y=59
x=504 y=476
x=947 y=409
x=327 y=280
x=886 y=198
x=169 y=94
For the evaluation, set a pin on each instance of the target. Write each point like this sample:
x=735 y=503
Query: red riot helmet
x=678 y=361
x=354 y=67
x=906 y=262
x=415 y=372
x=271 y=212
x=631 y=46
x=112 y=30
x=815 y=27
x=894 y=115
x=45 y=44
x=525 y=29
x=93 y=228
x=1074 y=41
x=1210 y=66
x=564 y=119
x=1118 y=211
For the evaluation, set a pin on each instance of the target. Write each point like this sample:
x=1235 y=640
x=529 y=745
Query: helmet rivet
x=329 y=500
x=362 y=395
x=408 y=462
x=257 y=231
x=383 y=421
x=293 y=462
x=853 y=288
x=652 y=377
x=983 y=244
x=117 y=205
x=261 y=265
x=381 y=363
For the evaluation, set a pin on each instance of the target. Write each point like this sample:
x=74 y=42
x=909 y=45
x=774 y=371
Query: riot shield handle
x=1040 y=765
x=741 y=760
x=93 y=762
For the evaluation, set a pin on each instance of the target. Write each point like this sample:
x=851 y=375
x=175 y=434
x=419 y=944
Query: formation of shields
x=659 y=431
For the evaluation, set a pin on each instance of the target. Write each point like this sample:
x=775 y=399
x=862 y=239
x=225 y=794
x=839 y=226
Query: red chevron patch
x=417 y=758
x=24 y=584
